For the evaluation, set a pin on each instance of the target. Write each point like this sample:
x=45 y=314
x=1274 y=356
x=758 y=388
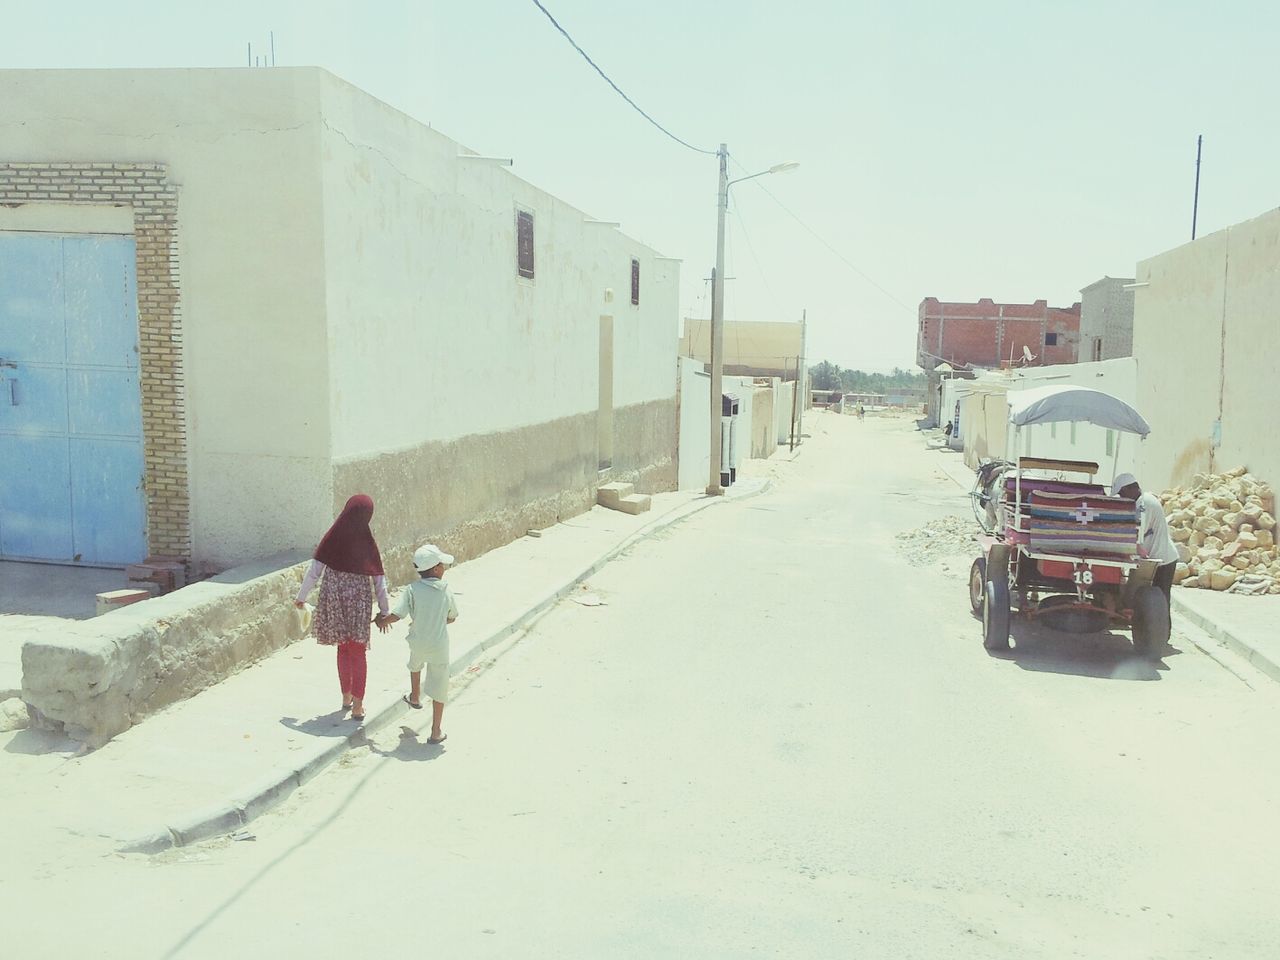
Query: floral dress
x=345 y=608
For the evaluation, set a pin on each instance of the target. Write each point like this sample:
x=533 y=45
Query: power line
x=618 y=89
x=822 y=240
x=751 y=248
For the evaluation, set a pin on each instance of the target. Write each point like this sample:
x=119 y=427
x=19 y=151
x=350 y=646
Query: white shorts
x=435 y=679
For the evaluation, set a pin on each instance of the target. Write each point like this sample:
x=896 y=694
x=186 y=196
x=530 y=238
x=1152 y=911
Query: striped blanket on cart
x=1082 y=523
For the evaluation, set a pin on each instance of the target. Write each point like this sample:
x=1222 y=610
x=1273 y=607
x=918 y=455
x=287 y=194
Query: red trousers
x=352 y=669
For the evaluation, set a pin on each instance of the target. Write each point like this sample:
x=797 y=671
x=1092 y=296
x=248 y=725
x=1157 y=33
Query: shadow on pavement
x=1103 y=656
x=36 y=743
x=412 y=747
x=336 y=724
x=51 y=590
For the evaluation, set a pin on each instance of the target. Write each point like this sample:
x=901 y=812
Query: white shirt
x=430 y=606
x=1153 y=530
x=317 y=568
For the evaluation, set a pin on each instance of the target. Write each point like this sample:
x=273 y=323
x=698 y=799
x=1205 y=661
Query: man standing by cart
x=1154 y=540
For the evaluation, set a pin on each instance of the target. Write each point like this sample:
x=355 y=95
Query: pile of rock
x=940 y=539
x=1224 y=526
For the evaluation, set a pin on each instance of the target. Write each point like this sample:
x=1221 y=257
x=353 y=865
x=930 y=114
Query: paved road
x=777 y=738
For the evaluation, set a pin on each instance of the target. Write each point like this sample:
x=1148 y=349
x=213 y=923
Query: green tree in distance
x=829 y=376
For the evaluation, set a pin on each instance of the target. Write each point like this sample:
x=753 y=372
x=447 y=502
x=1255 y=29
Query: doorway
x=71 y=463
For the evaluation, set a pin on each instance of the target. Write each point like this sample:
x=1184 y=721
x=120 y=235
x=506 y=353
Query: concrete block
x=611 y=494
x=115 y=599
x=635 y=503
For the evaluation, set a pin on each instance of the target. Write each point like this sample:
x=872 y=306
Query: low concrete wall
x=96 y=678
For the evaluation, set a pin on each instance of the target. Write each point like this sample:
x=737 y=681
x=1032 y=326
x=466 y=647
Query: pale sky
x=1016 y=150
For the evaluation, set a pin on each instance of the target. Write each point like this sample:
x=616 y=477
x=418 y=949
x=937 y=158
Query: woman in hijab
x=348 y=565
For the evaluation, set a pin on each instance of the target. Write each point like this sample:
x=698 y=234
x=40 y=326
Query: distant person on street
x=349 y=568
x=429 y=606
x=1154 y=540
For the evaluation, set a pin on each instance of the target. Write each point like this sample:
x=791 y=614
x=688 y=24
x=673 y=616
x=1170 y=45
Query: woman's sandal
x=416 y=706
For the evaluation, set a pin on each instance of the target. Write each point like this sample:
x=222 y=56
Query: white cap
x=427 y=556
x=1121 y=481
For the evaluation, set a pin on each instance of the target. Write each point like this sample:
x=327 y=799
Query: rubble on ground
x=939 y=539
x=1224 y=526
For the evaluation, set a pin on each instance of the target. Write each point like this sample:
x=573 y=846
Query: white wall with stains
x=1205 y=338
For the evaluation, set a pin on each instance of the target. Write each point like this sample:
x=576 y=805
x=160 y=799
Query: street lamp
x=717 y=308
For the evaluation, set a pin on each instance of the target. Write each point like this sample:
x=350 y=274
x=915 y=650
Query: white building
x=1106 y=319
x=283 y=292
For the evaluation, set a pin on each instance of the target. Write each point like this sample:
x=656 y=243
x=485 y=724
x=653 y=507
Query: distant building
x=751 y=348
x=1106 y=319
x=990 y=335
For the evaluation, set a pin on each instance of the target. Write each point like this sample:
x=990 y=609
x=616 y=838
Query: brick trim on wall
x=146 y=188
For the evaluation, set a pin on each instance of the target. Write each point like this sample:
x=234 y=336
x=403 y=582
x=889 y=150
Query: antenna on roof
x=1195 y=200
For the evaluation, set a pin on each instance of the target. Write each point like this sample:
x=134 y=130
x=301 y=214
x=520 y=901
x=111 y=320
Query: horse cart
x=1057 y=547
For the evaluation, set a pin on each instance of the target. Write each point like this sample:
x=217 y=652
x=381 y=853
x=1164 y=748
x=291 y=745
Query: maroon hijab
x=349 y=544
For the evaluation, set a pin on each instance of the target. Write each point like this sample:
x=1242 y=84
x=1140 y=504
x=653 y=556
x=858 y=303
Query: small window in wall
x=1050 y=339
x=1097 y=348
x=635 y=283
x=524 y=244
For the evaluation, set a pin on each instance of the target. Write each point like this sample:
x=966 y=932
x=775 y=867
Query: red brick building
x=989 y=334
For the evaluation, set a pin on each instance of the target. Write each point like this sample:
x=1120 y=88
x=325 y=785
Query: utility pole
x=717 y=324
x=795 y=400
x=1195 y=203
x=714 y=487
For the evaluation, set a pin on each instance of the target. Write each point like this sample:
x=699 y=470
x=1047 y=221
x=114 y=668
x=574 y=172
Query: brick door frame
x=146 y=188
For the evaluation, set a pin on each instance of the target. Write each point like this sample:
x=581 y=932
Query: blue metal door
x=70 y=404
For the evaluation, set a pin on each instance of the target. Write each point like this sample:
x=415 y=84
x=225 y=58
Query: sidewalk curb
x=1229 y=639
x=255 y=800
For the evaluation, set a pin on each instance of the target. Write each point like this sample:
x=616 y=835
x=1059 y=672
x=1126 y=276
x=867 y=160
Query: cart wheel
x=977 y=584
x=995 y=615
x=1150 y=621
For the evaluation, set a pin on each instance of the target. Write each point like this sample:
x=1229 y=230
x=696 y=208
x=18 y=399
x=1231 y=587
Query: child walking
x=349 y=568
x=430 y=608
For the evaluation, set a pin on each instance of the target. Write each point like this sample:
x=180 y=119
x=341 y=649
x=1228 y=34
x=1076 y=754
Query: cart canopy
x=1061 y=404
